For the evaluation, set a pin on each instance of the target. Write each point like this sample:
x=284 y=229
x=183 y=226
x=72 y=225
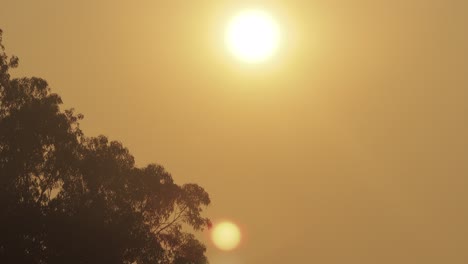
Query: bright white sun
x=253 y=36
x=226 y=236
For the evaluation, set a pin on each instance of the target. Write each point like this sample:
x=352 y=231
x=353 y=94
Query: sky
x=348 y=146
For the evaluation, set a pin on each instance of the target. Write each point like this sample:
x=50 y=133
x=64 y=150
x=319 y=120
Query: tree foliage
x=68 y=198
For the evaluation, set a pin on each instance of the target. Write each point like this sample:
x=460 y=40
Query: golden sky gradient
x=349 y=146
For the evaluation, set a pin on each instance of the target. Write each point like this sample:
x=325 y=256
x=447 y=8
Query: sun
x=252 y=36
x=226 y=236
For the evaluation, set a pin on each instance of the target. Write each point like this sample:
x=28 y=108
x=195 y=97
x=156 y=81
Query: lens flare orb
x=226 y=236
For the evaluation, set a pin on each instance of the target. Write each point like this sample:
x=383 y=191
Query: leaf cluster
x=69 y=198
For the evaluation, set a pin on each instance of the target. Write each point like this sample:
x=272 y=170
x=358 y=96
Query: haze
x=348 y=146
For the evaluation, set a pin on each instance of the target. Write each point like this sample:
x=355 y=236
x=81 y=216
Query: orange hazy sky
x=349 y=146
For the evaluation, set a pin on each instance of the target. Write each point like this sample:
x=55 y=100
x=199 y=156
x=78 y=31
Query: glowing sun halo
x=226 y=236
x=252 y=36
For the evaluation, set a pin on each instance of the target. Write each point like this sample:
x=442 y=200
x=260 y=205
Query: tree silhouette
x=68 y=198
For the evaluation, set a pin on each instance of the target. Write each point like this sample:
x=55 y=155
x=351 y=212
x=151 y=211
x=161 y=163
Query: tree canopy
x=69 y=198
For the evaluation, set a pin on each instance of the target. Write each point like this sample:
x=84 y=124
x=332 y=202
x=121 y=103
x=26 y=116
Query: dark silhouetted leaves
x=67 y=198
